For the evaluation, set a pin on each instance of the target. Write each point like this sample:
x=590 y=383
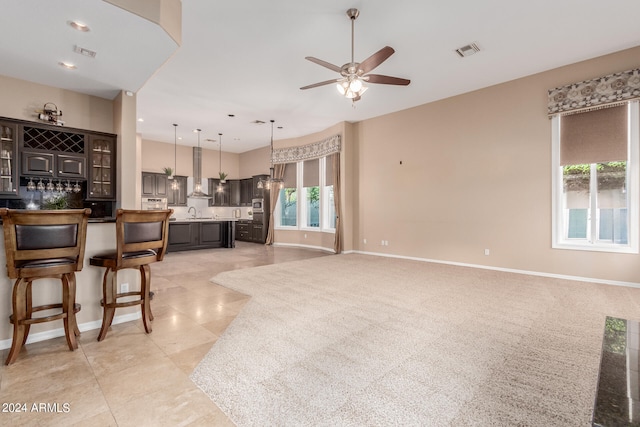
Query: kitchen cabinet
x=191 y=235
x=250 y=231
x=52 y=165
x=178 y=196
x=243 y=230
x=219 y=198
x=8 y=170
x=101 y=174
x=154 y=184
x=246 y=191
x=234 y=192
x=258 y=193
x=53 y=152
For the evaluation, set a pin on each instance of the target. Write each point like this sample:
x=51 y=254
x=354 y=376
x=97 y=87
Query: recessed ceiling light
x=231 y=115
x=79 y=26
x=141 y=119
x=180 y=138
x=279 y=127
x=258 y=122
x=67 y=65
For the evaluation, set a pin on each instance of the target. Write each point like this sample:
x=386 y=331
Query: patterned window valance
x=306 y=152
x=596 y=93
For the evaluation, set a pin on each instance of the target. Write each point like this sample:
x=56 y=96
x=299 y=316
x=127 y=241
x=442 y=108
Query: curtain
x=596 y=93
x=337 y=243
x=278 y=173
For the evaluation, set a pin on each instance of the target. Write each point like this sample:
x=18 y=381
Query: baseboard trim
x=295 y=245
x=88 y=326
x=508 y=270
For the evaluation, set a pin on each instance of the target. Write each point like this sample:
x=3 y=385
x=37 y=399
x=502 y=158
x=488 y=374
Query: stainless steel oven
x=154 y=203
x=257 y=205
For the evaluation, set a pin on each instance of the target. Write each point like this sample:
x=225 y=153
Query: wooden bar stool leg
x=29 y=308
x=19 y=315
x=69 y=321
x=109 y=292
x=145 y=284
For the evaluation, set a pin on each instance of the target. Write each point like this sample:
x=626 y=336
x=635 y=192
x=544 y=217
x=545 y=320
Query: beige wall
x=475 y=175
x=255 y=162
x=157 y=155
x=20 y=100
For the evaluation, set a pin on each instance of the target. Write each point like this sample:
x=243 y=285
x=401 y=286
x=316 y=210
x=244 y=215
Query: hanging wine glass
x=59 y=187
x=40 y=186
x=76 y=188
x=31 y=186
x=68 y=188
x=50 y=186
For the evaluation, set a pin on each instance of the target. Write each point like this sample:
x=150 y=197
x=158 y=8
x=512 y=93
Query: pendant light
x=174 y=184
x=272 y=182
x=220 y=187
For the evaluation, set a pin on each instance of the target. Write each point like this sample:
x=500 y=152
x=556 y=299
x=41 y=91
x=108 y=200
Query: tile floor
x=130 y=378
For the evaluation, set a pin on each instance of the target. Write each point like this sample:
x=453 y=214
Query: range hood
x=197 y=175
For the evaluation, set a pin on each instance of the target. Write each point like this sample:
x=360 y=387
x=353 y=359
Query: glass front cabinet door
x=101 y=183
x=8 y=138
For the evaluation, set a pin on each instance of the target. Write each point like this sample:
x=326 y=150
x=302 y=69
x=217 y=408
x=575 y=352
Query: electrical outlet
x=364 y=241
x=382 y=243
x=487 y=251
x=124 y=287
x=305 y=235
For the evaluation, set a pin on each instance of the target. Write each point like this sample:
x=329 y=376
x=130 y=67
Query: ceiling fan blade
x=376 y=59
x=385 y=80
x=324 y=63
x=328 y=82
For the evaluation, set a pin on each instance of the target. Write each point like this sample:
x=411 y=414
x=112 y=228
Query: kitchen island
x=201 y=233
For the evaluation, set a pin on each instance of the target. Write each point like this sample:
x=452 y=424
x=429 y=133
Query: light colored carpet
x=356 y=340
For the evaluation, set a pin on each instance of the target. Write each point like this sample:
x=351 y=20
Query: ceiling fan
x=354 y=75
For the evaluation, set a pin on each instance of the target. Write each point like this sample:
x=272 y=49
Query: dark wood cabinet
x=219 y=192
x=177 y=196
x=102 y=176
x=250 y=231
x=40 y=164
x=243 y=231
x=246 y=191
x=258 y=193
x=154 y=184
x=200 y=235
x=234 y=192
x=8 y=169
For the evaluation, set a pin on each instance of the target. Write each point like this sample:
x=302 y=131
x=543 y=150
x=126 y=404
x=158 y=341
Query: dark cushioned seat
x=37 y=263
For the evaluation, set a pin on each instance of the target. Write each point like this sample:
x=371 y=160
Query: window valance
x=306 y=152
x=601 y=92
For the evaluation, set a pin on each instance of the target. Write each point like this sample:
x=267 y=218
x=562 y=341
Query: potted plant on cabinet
x=223 y=177
x=168 y=172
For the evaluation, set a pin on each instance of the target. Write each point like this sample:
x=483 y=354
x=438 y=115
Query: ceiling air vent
x=85 y=52
x=258 y=122
x=467 y=50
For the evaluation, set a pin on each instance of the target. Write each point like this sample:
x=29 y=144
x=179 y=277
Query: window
x=309 y=182
x=287 y=209
x=311 y=191
x=595 y=180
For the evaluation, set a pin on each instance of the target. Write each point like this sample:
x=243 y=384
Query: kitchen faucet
x=194 y=211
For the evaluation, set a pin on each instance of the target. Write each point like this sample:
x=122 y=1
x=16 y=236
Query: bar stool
x=38 y=245
x=141 y=239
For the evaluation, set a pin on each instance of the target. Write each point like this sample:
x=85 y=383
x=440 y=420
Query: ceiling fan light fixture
x=355 y=85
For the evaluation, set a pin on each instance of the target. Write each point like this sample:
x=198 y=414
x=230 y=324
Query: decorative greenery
x=168 y=172
x=611 y=175
x=55 y=202
x=223 y=176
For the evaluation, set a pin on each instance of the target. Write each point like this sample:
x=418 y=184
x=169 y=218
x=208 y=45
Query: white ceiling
x=247 y=57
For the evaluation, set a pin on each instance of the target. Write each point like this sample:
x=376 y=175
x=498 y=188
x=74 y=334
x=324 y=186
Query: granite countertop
x=618 y=393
